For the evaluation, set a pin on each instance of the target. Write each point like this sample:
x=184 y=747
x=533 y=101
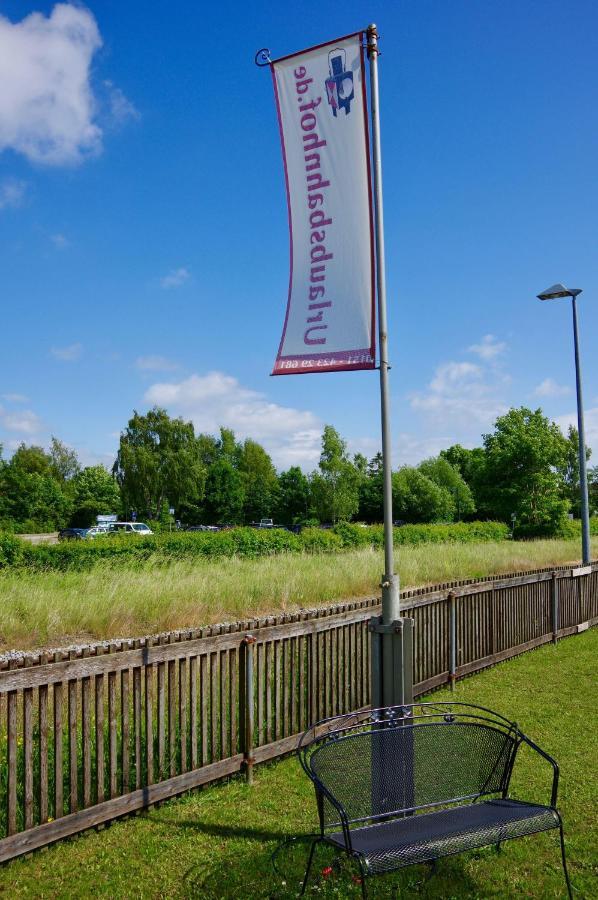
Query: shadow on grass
x=226 y=831
x=245 y=870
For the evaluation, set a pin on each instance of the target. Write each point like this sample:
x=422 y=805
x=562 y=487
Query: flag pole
x=392 y=636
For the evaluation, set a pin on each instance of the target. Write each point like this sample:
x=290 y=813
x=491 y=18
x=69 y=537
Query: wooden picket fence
x=91 y=734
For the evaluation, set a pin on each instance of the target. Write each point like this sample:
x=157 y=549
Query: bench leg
x=364 y=892
x=309 y=864
x=569 y=889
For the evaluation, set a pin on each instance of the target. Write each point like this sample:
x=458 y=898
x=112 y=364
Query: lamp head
x=557 y=291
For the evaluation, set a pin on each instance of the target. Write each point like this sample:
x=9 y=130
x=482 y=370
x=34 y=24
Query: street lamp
x=554 y=293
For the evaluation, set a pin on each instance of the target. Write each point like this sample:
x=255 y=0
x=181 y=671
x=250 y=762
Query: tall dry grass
x=51 y=609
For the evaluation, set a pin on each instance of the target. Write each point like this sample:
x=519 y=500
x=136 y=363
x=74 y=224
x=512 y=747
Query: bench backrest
x=381 y=769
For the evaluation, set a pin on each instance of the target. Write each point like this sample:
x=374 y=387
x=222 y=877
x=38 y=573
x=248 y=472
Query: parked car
x=130 y=528
x=202 y=528
x=72 y=534
x=96 y=531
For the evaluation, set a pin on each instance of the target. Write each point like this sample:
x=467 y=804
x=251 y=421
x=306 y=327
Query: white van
x=130 y=528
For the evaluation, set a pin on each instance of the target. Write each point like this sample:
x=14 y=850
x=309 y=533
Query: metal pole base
x=391 y=662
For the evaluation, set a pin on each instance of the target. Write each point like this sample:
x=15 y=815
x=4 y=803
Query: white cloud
x=590 y=423
x=412 y=449
x=67 y=354
x=291 y=436
x=453 y=375
x=48 y=109
x=121 y=108
x=24 y=421
x=155 y=364
x=89 y=457
x=12 y=192
x=550 y=388
x=366 y=445
x=488 y=348
x=175 y=278
x=407 y=449
x=60 y=241
x=15 y=398
x=461 y=393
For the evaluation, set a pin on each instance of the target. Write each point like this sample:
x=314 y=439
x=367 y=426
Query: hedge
x=240 y=542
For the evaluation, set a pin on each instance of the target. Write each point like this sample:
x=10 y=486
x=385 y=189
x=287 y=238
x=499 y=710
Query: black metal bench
x=407 y=785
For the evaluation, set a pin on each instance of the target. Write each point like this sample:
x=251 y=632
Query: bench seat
x=411 y=784
x=386 y=846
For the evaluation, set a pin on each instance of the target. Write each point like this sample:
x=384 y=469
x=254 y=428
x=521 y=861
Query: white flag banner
x=322 y=112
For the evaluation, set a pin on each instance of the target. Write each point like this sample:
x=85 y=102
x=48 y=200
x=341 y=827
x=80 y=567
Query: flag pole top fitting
x=262 y=57
x=372 y=37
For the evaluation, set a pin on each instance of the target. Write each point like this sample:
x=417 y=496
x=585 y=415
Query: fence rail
x=90 y=734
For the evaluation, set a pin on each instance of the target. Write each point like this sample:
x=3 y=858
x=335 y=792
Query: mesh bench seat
x=406 y=785
x=417 y=839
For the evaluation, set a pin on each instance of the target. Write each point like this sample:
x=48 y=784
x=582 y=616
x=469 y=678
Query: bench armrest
x=553 y=763
x=325 y=795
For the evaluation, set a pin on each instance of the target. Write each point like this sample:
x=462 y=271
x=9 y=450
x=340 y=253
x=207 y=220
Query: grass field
x=217 y=843
x=55 y=608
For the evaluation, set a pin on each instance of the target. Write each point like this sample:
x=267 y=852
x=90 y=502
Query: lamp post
x=554 y=293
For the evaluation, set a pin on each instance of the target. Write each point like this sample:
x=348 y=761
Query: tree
x=208 y=449
x=335 y=488
x=371 y=492
x=524 y=459
x=446 y=476
x=361 y=464
x=159 y=460
x=293 y=496
x=32 y=501
x=95 y=492
x=63 y=460
x=224 y=494
x=416 y=498
x=31 y=460
x=259 y=481
x=228 y=448
x=593 y=490
x=570 y=470
x=471 y=466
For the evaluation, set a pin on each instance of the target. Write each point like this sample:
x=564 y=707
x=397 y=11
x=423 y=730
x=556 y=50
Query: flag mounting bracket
x=262 y=58
x=371 y=45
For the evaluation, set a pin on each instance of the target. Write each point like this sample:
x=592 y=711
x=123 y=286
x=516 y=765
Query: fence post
x=452 y=638
x=554 y=607
x=493 y=621
x=247 y=703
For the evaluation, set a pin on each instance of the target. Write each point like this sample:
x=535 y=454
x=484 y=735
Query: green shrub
x=571 y=528
x=353 y=535
x=456 y=533
x=319 y=540
x=11 y=550
x=27 y=526
x=137 y=550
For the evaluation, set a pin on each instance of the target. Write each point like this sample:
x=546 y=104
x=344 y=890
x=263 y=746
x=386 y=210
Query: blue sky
x=144 y=243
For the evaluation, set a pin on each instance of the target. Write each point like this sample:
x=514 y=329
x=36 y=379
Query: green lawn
x=217 y=843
